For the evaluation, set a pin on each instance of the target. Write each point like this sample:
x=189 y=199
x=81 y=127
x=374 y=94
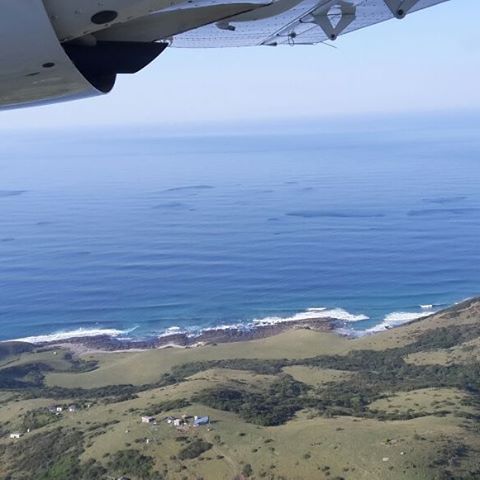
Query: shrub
x=247 y=470
x=194 y=449
x=132 y=462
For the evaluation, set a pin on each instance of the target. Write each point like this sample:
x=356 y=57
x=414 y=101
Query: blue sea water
x=135 y=229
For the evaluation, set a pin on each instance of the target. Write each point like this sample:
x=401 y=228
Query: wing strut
x=400 y=8
x=321 y=17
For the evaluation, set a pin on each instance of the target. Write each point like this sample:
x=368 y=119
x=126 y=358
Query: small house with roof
x=198 y=421
x=148 y=419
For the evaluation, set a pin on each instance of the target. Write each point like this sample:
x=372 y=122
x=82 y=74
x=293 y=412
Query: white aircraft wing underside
x=294 y=25
x=56 y=50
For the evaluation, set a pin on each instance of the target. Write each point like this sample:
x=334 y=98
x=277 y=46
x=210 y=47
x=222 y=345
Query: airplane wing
x=55 y=50
x=296 y=22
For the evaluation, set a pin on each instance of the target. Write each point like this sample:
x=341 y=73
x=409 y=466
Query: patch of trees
x=30 y=376
x=51 y=455
x=21 y=377
x=386 y=371
x=444 y=337
x=378 y=373
x=194 y=449
x=452 y=462
x=274 y=406
x=79 y=365
x=28 y=379
x=38 y=418
x=264 y=367
x=167 y=405
x=8 y=349
x=92 y=470
x=55 y=455
x=247 y=470
x=132 y=462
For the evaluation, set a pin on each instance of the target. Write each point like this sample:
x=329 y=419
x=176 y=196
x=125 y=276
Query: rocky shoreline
x=209 y=336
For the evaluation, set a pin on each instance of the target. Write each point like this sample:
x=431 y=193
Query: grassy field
x=402 y=404
x=316 y=376
x=146 y=367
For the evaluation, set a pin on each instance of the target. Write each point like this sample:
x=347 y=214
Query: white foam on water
x=391 y=320
x=426 y=306
x=228 y=326
x=464 y=300
x=309 y=314
x=395 y=319
x=77 y=333
x=173 y=330
x=312 y=314
x=349 y=332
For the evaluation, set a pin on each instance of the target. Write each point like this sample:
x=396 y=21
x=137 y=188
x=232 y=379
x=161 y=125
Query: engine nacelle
x=35 y=68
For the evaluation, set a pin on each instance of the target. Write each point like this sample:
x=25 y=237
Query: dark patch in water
x=273 y=219
x=444 y=200
x=427 y=212
x=170 y=205
x=188 y=187
x=11 y=193
x=306 y=189
x=7 y=239
x=332 y=214
x=43 y=224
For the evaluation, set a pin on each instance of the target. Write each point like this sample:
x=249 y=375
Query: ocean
x=137 y=232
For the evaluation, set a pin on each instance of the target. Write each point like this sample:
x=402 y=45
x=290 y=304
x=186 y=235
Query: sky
x=429 y=62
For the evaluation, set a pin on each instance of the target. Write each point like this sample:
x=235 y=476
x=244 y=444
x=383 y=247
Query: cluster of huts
x=183 y=421
x=54 y=410
x=59 y=409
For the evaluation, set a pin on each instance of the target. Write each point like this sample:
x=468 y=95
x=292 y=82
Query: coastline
x=337 y=321
x=211 y=336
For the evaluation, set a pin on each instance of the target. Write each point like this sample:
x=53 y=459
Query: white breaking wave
x=349 y=332
x=173 y=330
x=426 y=306
x=391 y=320
x=311 y=314
x=190 y=331
x=79 y=332
x=228 y=326
x=395 y=319
x=432 y=306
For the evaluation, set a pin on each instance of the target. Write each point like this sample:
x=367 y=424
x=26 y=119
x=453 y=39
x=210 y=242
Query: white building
x=15 y=435
x=147 y=419
x=197 y=421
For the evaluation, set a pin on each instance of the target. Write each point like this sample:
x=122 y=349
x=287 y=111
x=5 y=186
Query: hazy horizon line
x=298 y=124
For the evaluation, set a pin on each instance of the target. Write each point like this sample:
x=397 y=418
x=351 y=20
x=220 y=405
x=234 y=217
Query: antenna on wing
x=329 y=45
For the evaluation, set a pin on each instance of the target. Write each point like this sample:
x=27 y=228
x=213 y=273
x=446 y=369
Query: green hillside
x=402 y=404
